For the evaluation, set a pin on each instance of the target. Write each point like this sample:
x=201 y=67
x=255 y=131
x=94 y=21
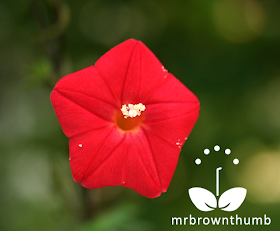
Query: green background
x=226 y=51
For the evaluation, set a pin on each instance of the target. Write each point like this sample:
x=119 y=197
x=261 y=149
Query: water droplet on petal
x=163 y=68
x=179 y=144
x=80 y=145
x=69 y=158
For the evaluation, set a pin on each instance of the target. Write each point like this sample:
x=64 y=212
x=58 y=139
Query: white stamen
x=132 y=113
x=132 y=110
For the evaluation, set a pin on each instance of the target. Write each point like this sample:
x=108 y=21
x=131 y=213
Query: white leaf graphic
x=203 y=199
x=231 y=199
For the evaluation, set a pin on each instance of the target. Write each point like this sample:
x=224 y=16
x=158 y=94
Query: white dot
x=236 y=161
x=206 y=151
x=198 y=161
x=217 y=148
x=227 y=151
x=80 y=145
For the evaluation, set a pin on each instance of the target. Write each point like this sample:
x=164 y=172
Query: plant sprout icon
x=206 y=201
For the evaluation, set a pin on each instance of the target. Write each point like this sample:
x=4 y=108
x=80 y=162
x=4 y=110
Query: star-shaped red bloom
x=127 y=119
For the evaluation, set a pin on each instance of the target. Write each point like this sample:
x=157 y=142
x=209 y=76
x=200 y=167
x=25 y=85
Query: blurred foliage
x=123 y=217
x=225 y=51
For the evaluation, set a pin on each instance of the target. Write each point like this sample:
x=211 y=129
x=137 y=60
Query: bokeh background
x=226 y=51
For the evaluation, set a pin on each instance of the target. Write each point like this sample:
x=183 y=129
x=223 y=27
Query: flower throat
x=129 y=117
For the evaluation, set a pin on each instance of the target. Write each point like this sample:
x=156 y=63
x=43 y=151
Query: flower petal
x=105 y=157
x=171 y=111
x=171 y=90
x=140 y=164
x=145 y=73
x=83 y=101
x=97 y=107
x=93 y=149
x=88 y=82
x=165 y=156
x=113 y=66
x=172 y=122
x=147 y=80
x=74 y=118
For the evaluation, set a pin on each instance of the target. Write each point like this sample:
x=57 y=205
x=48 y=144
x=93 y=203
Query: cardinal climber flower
x=127 y=119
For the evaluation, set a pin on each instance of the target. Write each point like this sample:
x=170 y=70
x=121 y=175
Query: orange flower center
x=129 y=117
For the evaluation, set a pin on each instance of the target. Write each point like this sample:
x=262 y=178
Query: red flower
x=127 y=118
